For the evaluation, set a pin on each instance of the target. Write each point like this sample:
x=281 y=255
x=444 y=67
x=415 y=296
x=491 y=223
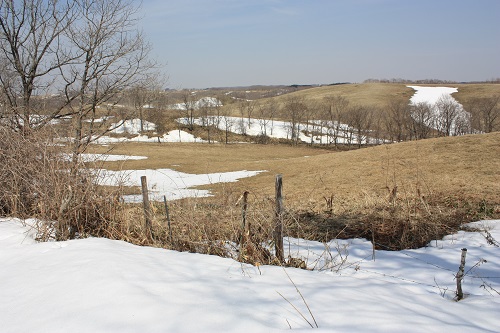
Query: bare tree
x=210 y=117
x=158 y=115
x=423 y=120
x=228 y=124
x=397 y=120
x=112 y=56
x=87 y=51
x=293 y=110
x=462 y=124
x=485 y=113
x=32 y=48
x=188 y=108
x=360 y=118
x=247 y=108
x=143 y=96
x=262 y=119
x=447 y=112
x=336 y=111
x=313 y=126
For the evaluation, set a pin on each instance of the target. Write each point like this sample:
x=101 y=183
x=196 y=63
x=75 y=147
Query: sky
x=220 y=43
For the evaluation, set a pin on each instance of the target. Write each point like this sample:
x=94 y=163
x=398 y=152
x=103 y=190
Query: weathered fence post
x=278 y=226
x=460 y=275
x=244 y=208
x=168 y=219
x=147 y=207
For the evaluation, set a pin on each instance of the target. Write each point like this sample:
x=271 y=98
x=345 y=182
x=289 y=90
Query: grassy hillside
x=379 y=94
x=466 y=92
x=365 y=94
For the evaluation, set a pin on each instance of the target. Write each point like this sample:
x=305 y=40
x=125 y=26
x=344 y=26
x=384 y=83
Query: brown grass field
x=403 y=195
x=468 y=166
x=378 y=95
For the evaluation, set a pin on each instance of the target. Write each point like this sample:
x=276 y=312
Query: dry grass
x=371 y=95
x=401 y=195
x=467 y=165
x=205 y=158
x=366 y=94
x=378 y=95
x=35 y=181
x=466 y=92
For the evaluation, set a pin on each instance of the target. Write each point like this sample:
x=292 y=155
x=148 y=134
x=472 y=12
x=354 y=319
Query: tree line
x=336 y=121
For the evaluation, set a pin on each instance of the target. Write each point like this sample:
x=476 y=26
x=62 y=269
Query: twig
x=298 y=311
x=303 y=299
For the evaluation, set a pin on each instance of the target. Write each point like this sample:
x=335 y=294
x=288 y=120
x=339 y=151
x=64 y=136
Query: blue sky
x=214 y=43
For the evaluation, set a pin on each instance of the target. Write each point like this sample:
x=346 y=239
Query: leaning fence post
x=244 y=208
x=460 y=275
x=278 y=226
x=147 y=207
x=168 y=218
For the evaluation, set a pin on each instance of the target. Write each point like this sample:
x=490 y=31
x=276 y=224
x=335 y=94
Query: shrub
x=36 y=181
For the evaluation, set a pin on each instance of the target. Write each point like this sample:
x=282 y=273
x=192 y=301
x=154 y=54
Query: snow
x=282 y=129
x=170 y=183
x=132 y=126
x=202 y=102
x=431 y=96
x=105 y=157
x=172 y=136
x=101 y=285
x=180 y=136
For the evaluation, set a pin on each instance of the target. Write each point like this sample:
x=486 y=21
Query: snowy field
x=100 y=285
x=432 y=96
x=170 y=183
x=283 y=129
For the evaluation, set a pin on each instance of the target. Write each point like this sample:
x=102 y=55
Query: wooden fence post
x=147 y=207
x=243 y=239
x=168 y=218
x=278 y=224
x=460 y=275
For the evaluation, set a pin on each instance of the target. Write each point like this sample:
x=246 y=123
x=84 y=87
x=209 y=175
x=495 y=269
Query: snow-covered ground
x=430 y=94
x=172 y=136
x=283 y=129
x=161 y=182
x=132 y=126
x=170 y=183
x=191 y=104
x=433 y=96
x=100 y=285
x=105 y=157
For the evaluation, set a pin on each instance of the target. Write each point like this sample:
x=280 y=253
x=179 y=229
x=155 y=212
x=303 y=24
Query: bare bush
x=35 y=182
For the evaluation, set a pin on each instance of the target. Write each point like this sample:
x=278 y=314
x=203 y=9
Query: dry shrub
x=35 y=181
x=399 y=220
x=201 y=225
